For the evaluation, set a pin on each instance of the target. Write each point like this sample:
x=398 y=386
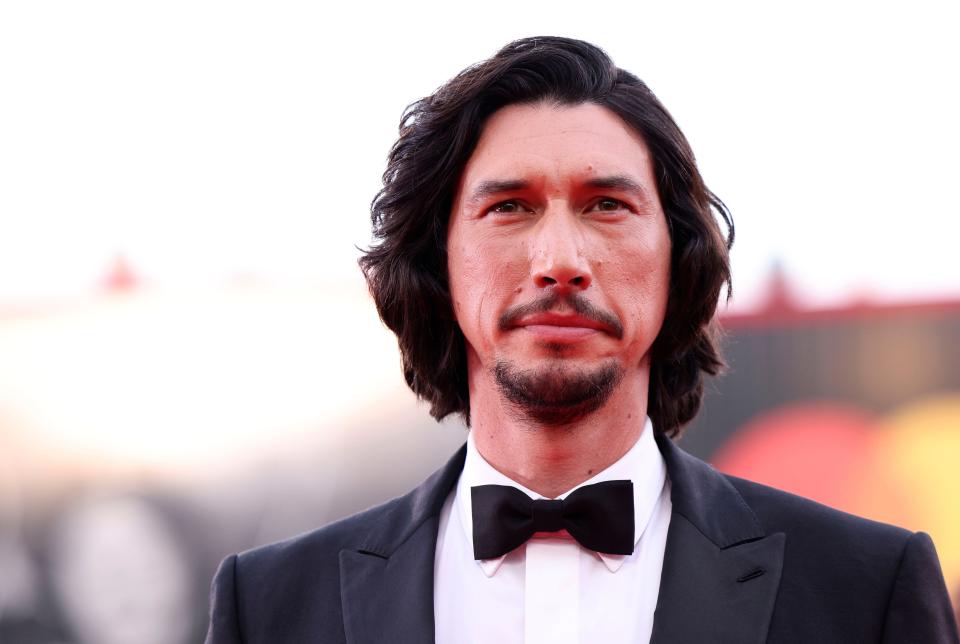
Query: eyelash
x=620 y=205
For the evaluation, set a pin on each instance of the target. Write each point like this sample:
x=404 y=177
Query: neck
x=553 y=459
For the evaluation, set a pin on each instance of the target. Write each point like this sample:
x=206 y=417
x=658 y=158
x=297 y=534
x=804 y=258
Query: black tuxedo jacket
x=744 y=563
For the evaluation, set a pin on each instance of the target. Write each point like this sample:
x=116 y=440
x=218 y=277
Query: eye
x=607 y=204
x=508 y=208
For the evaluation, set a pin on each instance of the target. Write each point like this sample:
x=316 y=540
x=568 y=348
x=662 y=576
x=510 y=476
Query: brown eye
x=506 y=208
x=609 y=205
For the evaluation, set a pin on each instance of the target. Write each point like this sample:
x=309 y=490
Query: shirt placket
x=552 y=591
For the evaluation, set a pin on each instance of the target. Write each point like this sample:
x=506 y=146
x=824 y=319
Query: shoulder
x=840 y=543
x=315 y=549
x=287 y=589
x=314 y=557
x=731 y=510
x=825 y=548
x=780 y=511
x=887 y=579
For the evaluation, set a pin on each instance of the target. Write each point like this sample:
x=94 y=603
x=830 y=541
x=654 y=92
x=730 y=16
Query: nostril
x=548 y=280
x=577 y=281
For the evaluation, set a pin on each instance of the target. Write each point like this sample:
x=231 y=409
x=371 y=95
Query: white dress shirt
x=552 y=589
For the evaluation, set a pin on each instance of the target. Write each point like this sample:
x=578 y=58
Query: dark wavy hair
x=406 y=267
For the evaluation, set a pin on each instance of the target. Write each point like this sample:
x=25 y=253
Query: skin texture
x=557 y=279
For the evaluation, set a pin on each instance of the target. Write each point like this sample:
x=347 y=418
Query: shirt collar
x=642 y=464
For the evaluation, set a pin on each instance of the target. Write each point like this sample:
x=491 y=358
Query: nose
x=559 y=260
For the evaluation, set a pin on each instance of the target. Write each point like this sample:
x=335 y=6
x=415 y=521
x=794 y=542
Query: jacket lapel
x=721 y=571
x=386 y=580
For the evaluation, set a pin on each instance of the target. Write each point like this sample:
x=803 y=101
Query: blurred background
x=190 y=364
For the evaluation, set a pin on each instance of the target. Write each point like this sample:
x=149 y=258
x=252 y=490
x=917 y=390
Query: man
x=549 y=258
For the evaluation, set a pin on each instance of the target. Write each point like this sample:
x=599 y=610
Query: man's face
x=558 y=256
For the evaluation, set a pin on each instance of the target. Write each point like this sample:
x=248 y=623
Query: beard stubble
x=557 y=394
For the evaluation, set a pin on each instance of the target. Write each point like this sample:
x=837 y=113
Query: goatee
x=557 y=394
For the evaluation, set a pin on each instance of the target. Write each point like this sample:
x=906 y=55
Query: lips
x=560 y=320
x=568 y=315
x=556 y=327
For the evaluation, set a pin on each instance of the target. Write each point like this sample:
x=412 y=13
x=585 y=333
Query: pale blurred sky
x=206 y=140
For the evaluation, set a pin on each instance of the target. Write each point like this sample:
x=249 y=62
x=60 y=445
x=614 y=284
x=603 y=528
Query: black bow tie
x=598 y=516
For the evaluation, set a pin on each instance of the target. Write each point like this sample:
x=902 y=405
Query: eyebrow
x=618 y=182
x=488 y=189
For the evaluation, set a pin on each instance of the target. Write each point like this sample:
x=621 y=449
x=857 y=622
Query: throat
x=552 y=460
x=511 y=432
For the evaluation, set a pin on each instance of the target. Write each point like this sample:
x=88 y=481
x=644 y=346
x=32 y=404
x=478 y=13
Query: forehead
x=557 y=141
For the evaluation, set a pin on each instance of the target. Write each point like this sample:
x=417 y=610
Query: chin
x=557 y=392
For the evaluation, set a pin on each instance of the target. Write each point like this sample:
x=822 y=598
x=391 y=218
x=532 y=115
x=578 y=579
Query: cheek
x=462 y=273
x=483 y=279
x=643 y=284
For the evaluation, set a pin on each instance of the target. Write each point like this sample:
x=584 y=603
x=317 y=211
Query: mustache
x=576 y=301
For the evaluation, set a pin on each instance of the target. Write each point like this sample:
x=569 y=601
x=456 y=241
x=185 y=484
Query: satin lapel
x=709 y=594
x=721 y=571
x=390 y=599
x=386 y=581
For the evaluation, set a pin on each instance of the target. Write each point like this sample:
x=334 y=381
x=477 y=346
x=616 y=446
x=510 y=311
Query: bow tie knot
x=547 y=515
x=598 y=516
